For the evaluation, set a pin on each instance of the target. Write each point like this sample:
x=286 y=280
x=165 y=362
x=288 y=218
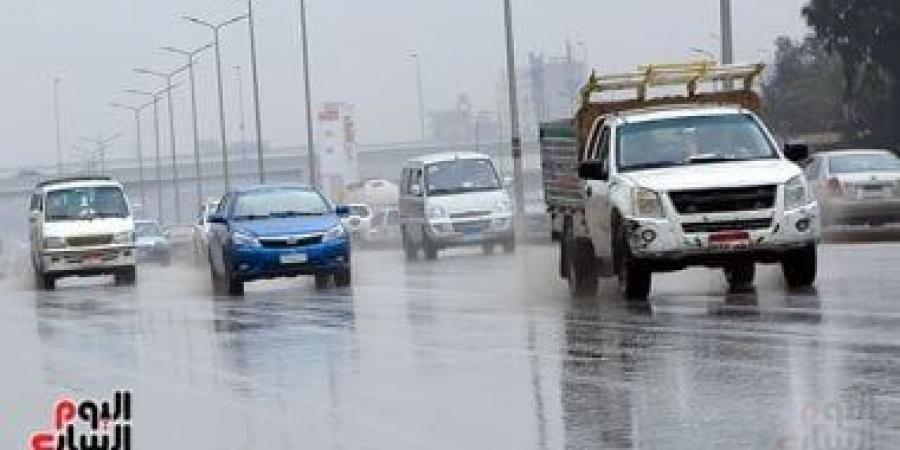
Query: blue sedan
x=277 y=231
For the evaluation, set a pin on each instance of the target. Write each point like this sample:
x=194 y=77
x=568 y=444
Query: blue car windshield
x=279 y=202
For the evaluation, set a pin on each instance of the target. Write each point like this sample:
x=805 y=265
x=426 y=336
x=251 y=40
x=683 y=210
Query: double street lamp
x=156 y=96
x=168 y=77
x=191 y=60
x=140 y=156
x=216 y=28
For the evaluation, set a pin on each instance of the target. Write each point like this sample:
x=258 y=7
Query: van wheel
x=430 y=249
x=583 y=279
x=799 y=267
x=126 y=276
x=45 y=281
x=635 y=279
x=740 y=275
x=409 y=247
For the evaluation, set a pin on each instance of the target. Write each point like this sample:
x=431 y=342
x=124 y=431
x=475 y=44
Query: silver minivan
x=453 y=200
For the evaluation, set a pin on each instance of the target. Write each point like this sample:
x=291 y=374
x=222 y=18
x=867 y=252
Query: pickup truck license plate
x=729 y=239
x=93 y=260
x=294 y=258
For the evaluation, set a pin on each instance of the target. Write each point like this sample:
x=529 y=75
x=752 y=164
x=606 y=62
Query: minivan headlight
x=123 y=237
x=646 y=203
x=336 y=232
x=503 y=206
x=54 y=242
x=795 y=193
x=436 y=212
x=241 y=238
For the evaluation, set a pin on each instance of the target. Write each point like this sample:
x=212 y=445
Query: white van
x=81 y=227
x=451 y=200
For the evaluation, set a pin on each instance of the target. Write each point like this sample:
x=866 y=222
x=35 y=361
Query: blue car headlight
x=334 y=233
x=240 y=238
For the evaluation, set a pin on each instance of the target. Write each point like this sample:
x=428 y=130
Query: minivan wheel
x=430 y=249
x=740 y=275
x=126 y=276
x=409 y=247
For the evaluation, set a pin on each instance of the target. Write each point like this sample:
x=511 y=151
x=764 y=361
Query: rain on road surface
x=468 y=352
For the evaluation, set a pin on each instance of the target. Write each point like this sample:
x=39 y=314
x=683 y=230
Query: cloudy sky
x=360 y=54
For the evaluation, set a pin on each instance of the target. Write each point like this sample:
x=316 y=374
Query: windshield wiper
x=652 y=165
x=251 y=217
x=294 y=214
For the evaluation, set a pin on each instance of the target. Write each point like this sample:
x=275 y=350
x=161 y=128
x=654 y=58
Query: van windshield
x=461 y=175
x=86 y=203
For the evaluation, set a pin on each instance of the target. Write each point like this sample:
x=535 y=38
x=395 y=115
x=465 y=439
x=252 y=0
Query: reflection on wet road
x=468 y=352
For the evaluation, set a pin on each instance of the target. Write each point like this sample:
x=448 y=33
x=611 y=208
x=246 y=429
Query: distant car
x=152 y=242
x=358 y=222
x=277 y=231
x=81 y=226
x=200 y=234
x=856 y=187
x=385 y=227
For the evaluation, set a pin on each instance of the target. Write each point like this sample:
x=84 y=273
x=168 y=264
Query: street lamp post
x=175 y=181
x=242 y=126
x=140 y=154
x=216 y=28
x=156 y=96
x=259 y=137
x=191 y=60
x=311 y=152
x=726 y=31
x=421 y=96
x=100 y=145
x=516 y=140
x=59 y=164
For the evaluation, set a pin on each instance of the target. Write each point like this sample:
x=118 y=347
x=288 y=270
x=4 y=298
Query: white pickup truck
x=651 y=185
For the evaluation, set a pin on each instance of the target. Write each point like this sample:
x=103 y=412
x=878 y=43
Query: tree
x=866 y=36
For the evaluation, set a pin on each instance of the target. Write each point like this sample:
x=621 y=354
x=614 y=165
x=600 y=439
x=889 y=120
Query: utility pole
x=421 y=96
x=242 y=126
x=727 y=37
x=258 y=115
x=59 y=164
x=515 y=138
x=309 y=119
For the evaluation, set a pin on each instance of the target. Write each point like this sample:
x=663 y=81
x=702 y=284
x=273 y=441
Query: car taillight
x=834 y=186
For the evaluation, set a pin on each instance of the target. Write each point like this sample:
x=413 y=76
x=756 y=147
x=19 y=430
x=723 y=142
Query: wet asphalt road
x=469 y=352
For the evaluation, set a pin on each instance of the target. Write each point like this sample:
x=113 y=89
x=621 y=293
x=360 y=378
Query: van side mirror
x=34 y=215
x=415 y=190
x=216 y=218
x=592 y=170
x=342 y=211
x=796 y=152
x=507 y=181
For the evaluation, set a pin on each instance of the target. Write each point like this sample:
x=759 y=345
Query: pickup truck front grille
x=724 y=199
x=290 y=242
x=469 y=214
x=732 y=225
x=89 y=241
x=472 y=227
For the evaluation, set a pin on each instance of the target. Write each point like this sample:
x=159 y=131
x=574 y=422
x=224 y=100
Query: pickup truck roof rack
x=71 y=179
x=689 y=75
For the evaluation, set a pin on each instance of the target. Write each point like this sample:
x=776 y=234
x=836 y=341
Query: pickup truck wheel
x=583 y=280
x=799 y=267
x=634 y=278
x=126 y=276
x=409 y=247
x=430 y=249
x=740 y=275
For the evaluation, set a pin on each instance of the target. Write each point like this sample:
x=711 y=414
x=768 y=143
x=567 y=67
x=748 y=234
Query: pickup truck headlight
x=123 y=237
x=436 y=212
x=795 y=193
x=336 y=232
x=647 y=203
x=54 y=242
x=241 y=238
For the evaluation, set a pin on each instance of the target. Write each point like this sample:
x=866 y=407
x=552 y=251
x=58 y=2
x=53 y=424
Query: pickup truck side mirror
x=592 y=170
x=796 y=152
x=342 y=211
x=216 y=218
x=34 y=215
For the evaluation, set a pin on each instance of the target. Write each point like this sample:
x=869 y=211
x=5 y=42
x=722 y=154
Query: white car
x=452 y=200
x=81 y=227
x=358 y=222
x=200 y=232
x=856 y=187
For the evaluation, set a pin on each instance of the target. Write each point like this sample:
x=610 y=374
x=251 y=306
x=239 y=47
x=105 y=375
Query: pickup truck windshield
x=691 y=140
x=461 y=175
x=279 y=202
x=86 y=203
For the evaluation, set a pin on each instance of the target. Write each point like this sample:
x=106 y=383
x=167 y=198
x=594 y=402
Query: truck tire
x=582 y=272
x=740 y=275
x=635 y=279
x=428 y=247
x=126 y=276
x=409 y=247
x=799 y=267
